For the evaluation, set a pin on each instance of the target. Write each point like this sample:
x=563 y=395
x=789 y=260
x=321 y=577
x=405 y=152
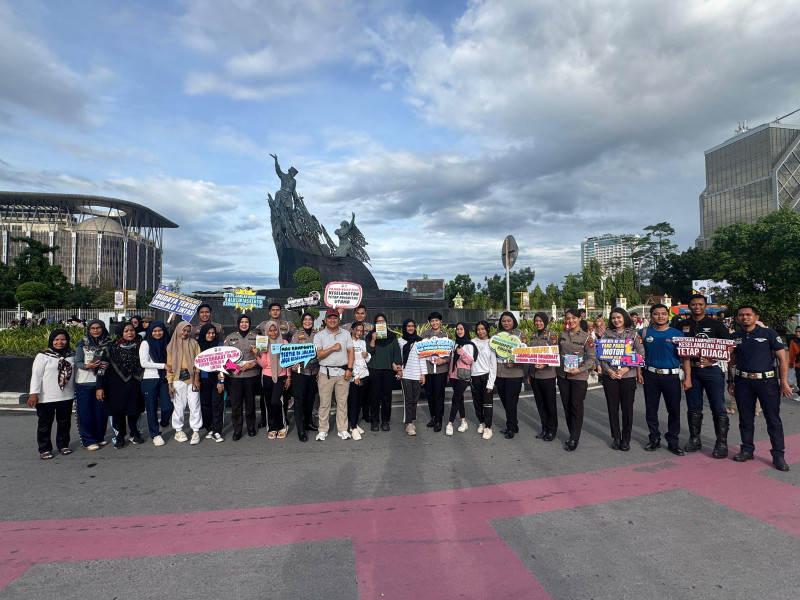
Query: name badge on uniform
x=686 y=329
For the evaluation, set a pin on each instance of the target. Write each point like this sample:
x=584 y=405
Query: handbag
x=464 y=374
x=184 y=375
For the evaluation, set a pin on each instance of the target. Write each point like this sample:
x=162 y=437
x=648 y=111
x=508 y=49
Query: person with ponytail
x=155 y=389
x=52 y=391
x=92 y=420
x=212 y=387
x=274 y=380
x=184 y=382
x=413 y=372
x=460 y=372
x=304 y=381
x=384 y=368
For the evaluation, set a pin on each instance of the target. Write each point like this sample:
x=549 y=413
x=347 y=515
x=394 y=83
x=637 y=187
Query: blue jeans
x=91 y=415
x=156 y=392
x=712 y=381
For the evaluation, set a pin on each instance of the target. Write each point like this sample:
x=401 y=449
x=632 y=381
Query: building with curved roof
x=102 y=242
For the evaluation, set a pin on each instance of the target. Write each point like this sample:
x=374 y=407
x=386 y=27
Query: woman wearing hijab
x=184 y=382
x=136 y=321
x=543 y=380
x=384 y=368
x=464 y=354
x=619 y=383
x=241 y=385
x=119 y=384
x=212 y=388
x=483 y=376
x=413 y=372
x=509 y=377
x=155 y=389
x=304 y=381
x=92 y=420
x=52 y=391
x=274 y=380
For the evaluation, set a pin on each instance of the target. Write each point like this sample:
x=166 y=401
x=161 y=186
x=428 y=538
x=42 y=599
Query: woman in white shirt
x=155 y=389
x=414 y=370
x=357 y=393
x=484 y=371
x=52 y=392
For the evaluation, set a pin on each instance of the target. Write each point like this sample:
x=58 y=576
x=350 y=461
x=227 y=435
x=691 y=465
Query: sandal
x=282 y=433
x=45 y=455
x=272 y=435
x=731 y=411
x=65 y=451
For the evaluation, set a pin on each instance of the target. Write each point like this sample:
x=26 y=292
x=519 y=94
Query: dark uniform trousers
x=482 y=400
x=573 y=393
x=620 y=393
x=544 y=392
x=356 y=398
x=711 y=381
x=508 y=388
x=767 y=391
x=304 y=388
x=656 y=385
x=434 y=390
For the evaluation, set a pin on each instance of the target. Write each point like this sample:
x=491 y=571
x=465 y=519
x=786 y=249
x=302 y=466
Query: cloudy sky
x=444 y=125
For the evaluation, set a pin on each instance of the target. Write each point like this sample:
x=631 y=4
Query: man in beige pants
x=335 y=355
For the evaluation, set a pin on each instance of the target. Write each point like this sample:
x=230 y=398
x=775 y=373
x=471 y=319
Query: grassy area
x=29 y=341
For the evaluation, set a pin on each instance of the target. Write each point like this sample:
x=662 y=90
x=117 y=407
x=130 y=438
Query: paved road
x=398 y=517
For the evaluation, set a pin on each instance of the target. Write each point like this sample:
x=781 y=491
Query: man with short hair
x=204 y=316
x=706 y=376
x=752 y=376
x=336 y=356
x=437 y=373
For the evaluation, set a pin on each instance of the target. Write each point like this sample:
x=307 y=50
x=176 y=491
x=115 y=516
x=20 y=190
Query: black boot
x=695 y=425
x=721 y=424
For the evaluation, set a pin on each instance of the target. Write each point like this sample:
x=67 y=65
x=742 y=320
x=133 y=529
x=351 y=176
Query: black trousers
x=620 y=393
x=119 y=421
x=212 y=404
x=457 y=403
x=242 y=394
x=434 y=390
x=380 y=394
x=356 y=398
x=61 y=412
x=544 y=392
x=482 y=400
x=669 y=386
x=573 y=393
x=304 y=388
x=508 y=388
x=366 y=403
x=272 y=394
x=767 y=391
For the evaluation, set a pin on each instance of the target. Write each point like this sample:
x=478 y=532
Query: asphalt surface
x=401 y=517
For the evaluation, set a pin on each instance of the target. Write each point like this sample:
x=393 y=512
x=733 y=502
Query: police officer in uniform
x=752 y=377
x=706 y=376
x=287 y=331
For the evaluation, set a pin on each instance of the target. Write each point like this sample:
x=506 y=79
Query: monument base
x=330 y=268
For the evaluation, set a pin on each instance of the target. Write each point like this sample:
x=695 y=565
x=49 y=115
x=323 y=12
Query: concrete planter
x=15 y=373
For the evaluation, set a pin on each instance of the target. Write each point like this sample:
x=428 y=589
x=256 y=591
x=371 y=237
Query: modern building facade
x=748 y=176
x=103 y=242
x=613 y=252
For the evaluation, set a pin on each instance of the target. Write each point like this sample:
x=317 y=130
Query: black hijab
x=158 y=348
x=97 y=342
x=249 y=325
x=203 y=342
x=410 y=338
x=390 y=336
x=124 y=355
x=461 y=342
x=308 y=331
x=139 y=327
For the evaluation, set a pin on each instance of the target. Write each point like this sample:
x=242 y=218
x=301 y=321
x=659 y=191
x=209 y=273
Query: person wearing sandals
x=575 y=346
x=274 y=380
x=184 y=382
x=460 y=374
x=413 y=373
x=383 y=370
x=119 y=384
x=92 y=420
x=242 y=385
x=357 y=394
x=543 y=380
x=304 y=381
x=155 y=389
x=52 y=391
x=510 y=377
x=212 y=387
x=484 y=373
x=619 y=382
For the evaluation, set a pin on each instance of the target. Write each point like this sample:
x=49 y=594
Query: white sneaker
x=481 y=427
x=321 y=436
x=463 y=427
x=449 y=429
x=218 y=438
x=195 y=438
x=359 y=429
x=180 y=436
x=93 y=447
x=210 y=435
x=158 y=441
x=487 y=433
x=411 y=429
x=354 y=434
x=344 y=435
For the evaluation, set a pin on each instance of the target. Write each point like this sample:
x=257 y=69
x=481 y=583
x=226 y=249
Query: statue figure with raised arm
x=287 y=195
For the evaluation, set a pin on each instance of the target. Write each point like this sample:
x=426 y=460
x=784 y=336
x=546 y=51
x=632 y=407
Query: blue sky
x=450 y=124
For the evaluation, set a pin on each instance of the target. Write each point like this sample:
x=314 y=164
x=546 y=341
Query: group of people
x=357 y=364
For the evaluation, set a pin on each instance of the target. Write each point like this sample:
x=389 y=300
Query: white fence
x=65 y=314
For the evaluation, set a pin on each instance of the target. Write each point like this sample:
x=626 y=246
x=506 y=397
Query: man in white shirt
x=335 y=356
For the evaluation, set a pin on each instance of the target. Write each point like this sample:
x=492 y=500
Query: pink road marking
x=406 y=546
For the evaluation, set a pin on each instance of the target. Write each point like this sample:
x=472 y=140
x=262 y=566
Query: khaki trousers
x=327 y=387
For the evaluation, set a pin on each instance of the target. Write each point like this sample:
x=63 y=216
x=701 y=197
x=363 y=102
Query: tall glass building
x=749 y=176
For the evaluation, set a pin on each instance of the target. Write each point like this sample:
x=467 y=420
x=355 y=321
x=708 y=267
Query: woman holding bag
x=464 y=354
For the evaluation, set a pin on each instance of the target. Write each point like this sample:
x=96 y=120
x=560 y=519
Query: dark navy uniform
x=662 y=377
x=756 y=377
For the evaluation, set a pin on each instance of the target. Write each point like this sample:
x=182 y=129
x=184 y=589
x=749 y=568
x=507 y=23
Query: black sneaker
x=137 y=439
x=119 y=444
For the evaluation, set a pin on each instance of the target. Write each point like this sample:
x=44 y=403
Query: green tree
x=761 y=263
x=552 y=295
x=571 y=290
x=590 y=277
x=520 y=281
x=308 y=280
x=144 y=299
x=7 y=287
x=33 y=265
x=538 y=298
x=80 y=296
x=678 y=270
x=460 y=284
x=482 y=301
x=622 y=284
x=651 y=251
x=35 y=297
x=104 y=301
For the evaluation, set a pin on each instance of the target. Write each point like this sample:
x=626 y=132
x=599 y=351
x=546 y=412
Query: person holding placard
x=510 y=377
x=212 y=388
x=287 y=330
x=482 y=381
x=619 y=381
x=579 y=358
x=241 y=384
x=92 y=420
x=384 y=368
x=543 y=380
x=274 y=380
x=461 y=359
x=184 y=382
x=304 y=381
x=155 y=389
x=413 y=370
x=706 y=376
x=357 y=396
x=436 y=378
x=336 y=357
x=662 y=376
